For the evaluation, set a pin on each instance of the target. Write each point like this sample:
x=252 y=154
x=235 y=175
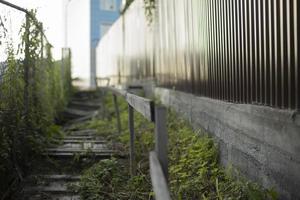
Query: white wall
x=78 y=38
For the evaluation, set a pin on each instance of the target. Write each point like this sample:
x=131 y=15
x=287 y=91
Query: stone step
x=76 y=141
x=96 y=100
x=70 y=155
x=86 y=132
x=80 y=137
x=76 y=113
x=87 y=92
x=78 y=119
x=49 y=185
x=80 y=150
x=53 y=197
x=53 y=177
x=83 y=145
x=84 y=105
x=98 y=152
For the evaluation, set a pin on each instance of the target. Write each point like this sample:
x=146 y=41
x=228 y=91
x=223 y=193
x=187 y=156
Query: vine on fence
x=28 y=104
x=149 y=9
x=3 y=30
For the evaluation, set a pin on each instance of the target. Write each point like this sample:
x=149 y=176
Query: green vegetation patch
x=109 y=179
x=194 y=171
x=33 y=89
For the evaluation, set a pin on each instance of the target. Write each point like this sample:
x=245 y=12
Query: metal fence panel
x=243 y=51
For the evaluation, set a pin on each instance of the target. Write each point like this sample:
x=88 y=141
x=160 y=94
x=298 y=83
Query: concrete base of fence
x=262 y=142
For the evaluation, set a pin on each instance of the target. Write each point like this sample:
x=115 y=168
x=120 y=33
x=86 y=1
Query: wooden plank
x=161 y=138
x=117 y=113
x=118 y=91
x=159 y=182
x=115 y=91
x=142 y=105
x=132 y=137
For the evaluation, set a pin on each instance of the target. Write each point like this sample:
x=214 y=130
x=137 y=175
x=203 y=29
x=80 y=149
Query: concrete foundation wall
x=262 y=142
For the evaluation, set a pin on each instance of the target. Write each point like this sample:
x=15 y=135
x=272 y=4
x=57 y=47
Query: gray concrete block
x=263 y=142
x=246 y=164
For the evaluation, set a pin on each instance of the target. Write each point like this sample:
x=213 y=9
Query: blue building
x=103 y=14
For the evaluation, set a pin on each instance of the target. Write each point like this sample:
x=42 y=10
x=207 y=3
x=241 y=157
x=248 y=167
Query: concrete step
x=84 y=105
x=81 y=150
x=66 y=177
x=44 y=179
x=100 y=151
x=80 y=137
x=55 y=186
x=53 y=197
x=87 y=93
x=92 y=144
x=95 y=100
x=86 y=132
x=76 y=113
x=77 y=119
x=84 y=144
x=76 y=141
x=70 y=155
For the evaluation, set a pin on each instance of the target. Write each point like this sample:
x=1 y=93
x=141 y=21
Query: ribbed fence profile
x=242 y=51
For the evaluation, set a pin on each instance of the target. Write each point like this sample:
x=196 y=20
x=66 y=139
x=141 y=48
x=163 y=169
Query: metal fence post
x=42 y=42
x=131 y=129
x=161 y=138
x=26 y=70
x=117 y=113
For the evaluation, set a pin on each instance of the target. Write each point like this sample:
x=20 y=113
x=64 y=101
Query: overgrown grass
x=194 y=171
x=33 y=89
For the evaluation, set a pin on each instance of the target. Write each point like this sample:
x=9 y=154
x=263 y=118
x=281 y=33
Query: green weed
x=194 y=171
x=28 y=106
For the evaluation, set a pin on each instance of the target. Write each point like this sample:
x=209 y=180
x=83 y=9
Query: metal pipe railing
x=15 y=6
x=29 y=14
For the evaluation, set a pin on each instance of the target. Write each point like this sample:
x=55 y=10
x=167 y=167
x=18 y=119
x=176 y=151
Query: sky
x=50 y=12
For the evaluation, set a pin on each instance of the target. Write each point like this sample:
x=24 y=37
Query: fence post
x=42 y=42
x=131 y=130
x=26 y=70
x=161 y=138
x=117 y=113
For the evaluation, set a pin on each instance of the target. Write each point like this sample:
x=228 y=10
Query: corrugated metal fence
x=243 y=51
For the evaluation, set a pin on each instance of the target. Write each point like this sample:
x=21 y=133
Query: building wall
x=78 y=38
x=100 y=16
x=262 y=142
x=84 y=19
x=127 y=52
x=237 y=51
x=101 y=20
x=231 y=67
